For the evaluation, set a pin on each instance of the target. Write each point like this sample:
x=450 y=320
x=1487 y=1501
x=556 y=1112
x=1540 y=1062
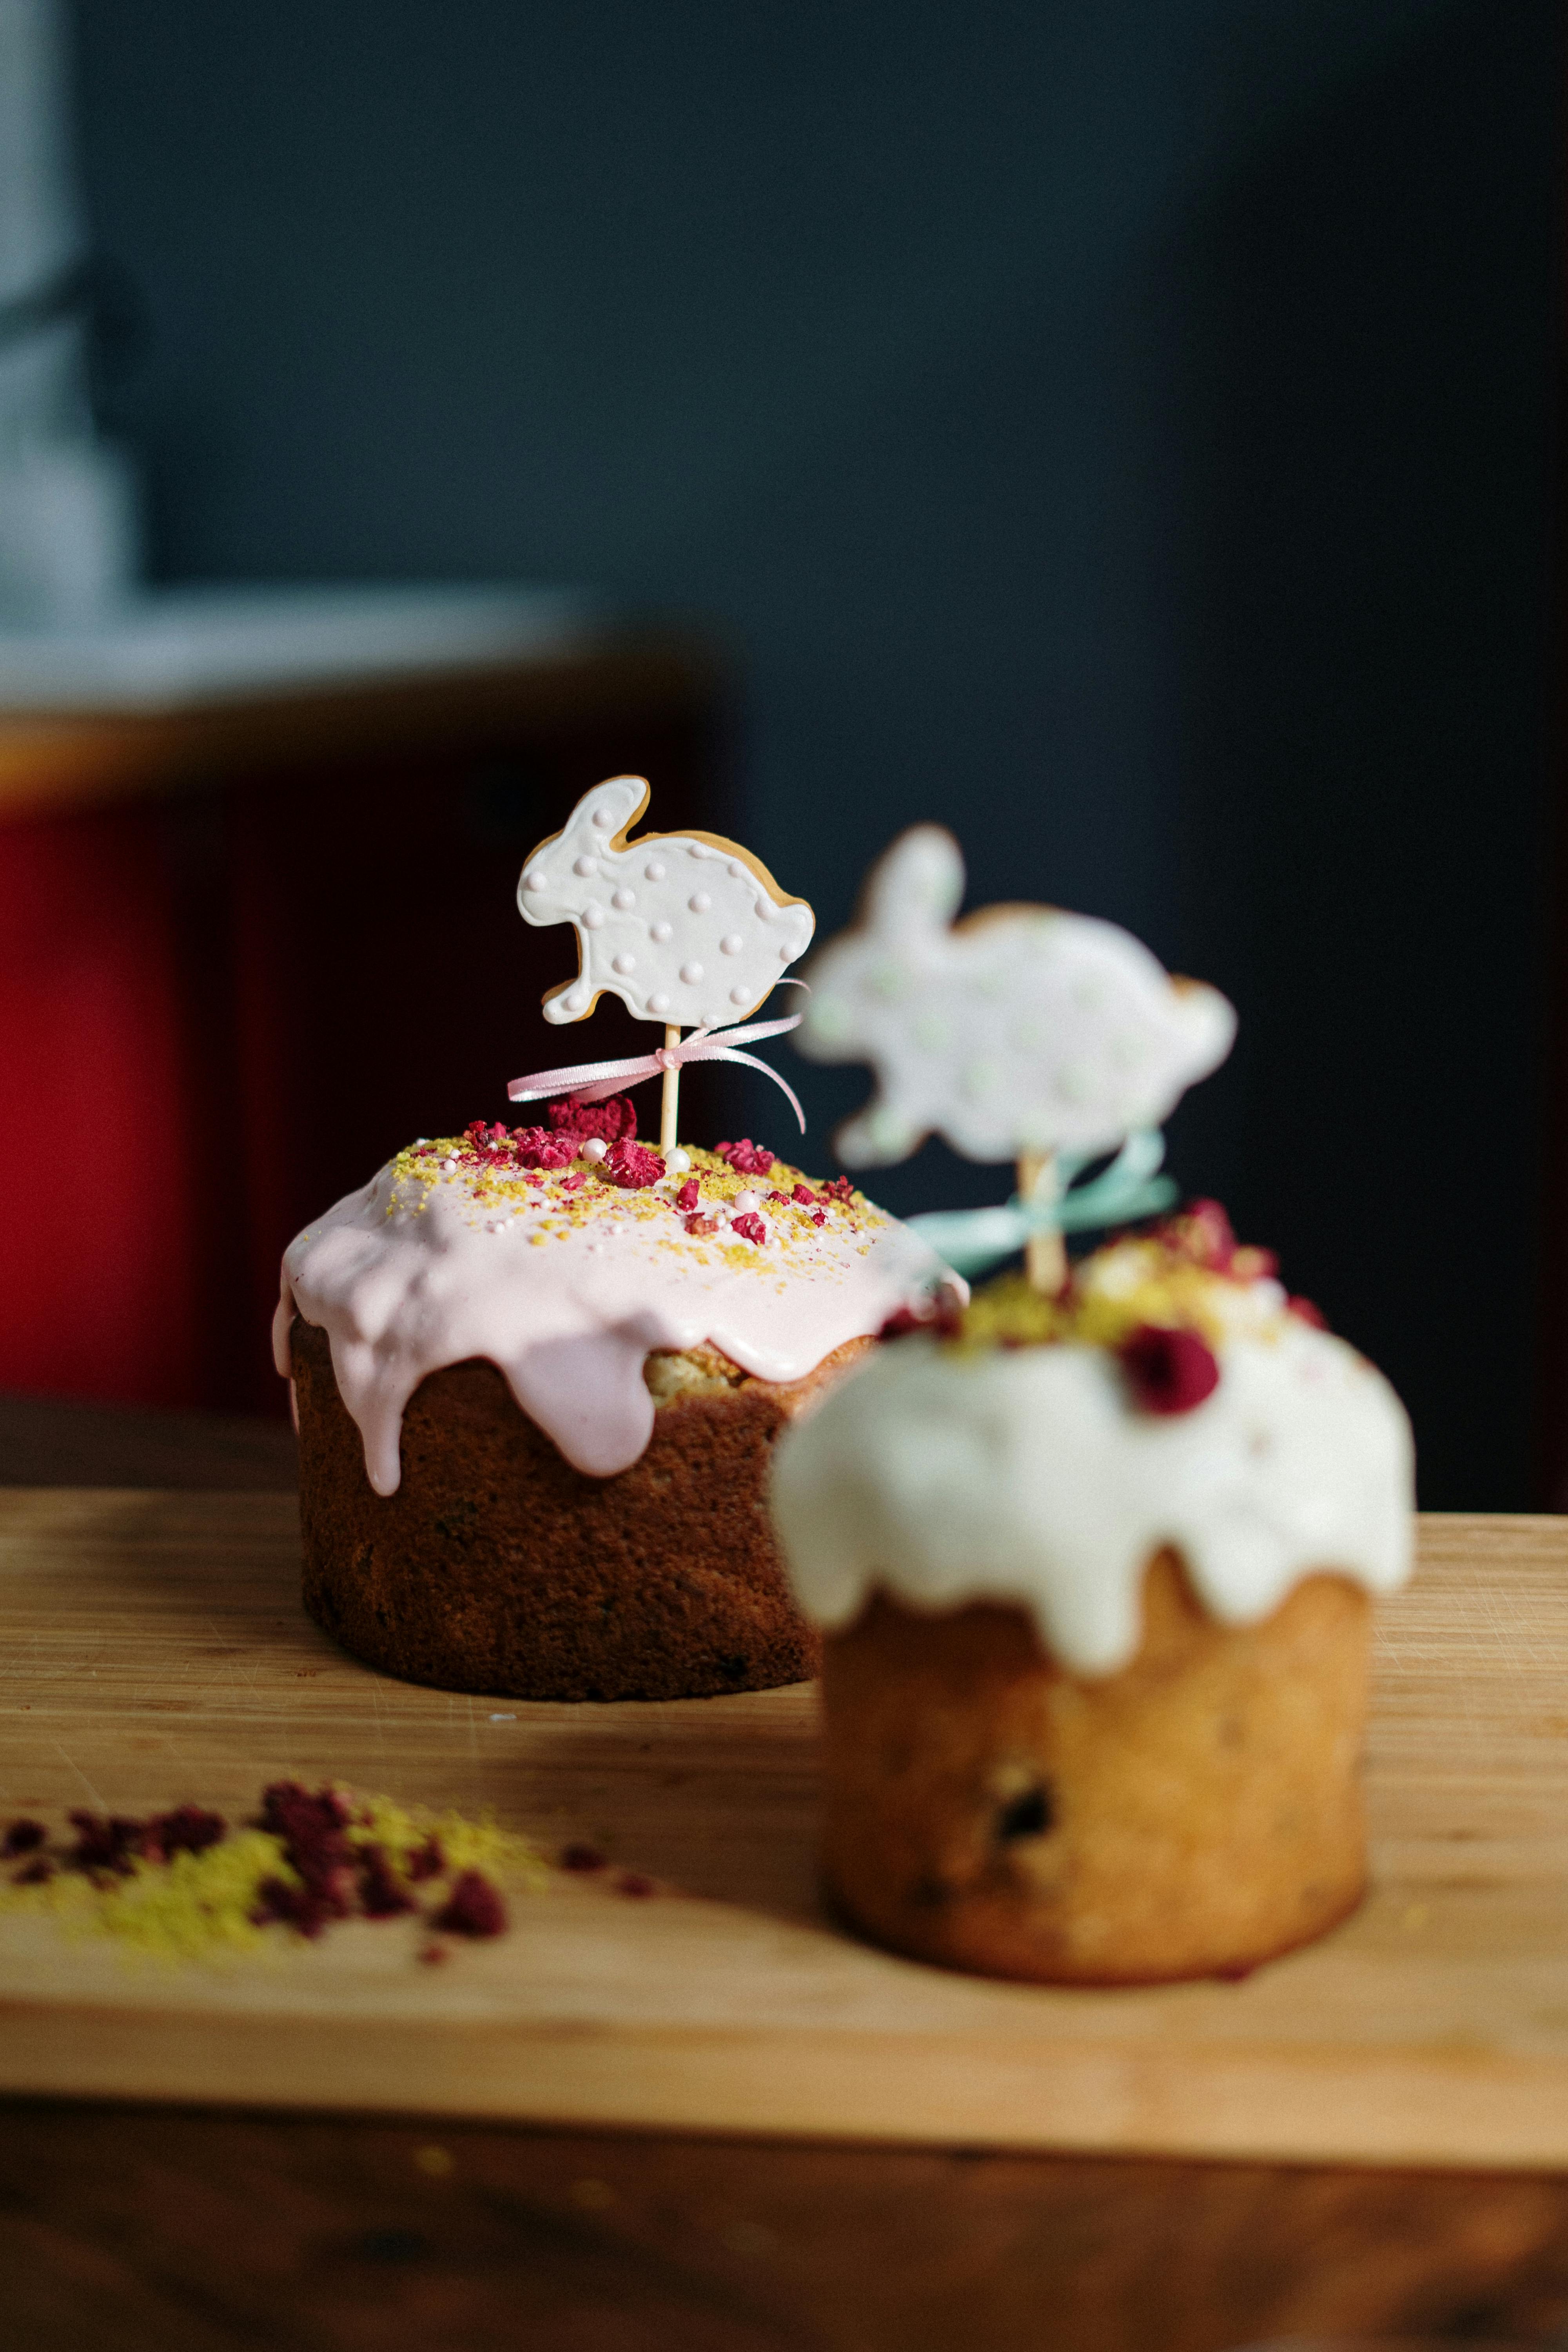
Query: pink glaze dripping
x=410 y=1273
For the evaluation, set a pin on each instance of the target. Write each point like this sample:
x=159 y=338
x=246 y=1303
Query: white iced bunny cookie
x=1019 y=1030
x=686 y=928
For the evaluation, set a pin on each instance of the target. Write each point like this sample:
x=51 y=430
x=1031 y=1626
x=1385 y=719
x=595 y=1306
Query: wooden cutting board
x=154 y=1650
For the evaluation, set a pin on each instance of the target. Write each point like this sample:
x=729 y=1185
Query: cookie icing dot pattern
x=1020 y=1030
x=648 y=945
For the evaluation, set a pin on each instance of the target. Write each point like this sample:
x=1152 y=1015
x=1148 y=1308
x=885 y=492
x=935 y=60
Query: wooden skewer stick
x=1045 y=1254
x=669 y=1103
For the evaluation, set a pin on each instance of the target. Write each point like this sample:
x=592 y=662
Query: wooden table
x=156 y=2228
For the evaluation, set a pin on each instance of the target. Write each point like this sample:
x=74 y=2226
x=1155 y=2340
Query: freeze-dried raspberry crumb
x=700 y=1227
x=574 y=1182
x=1306 y=1312
x=632 y=1882
x=37 y=1873
x=1169 y=1371
x=781 y=1198
x=746 y=1157
x=311 y=1828
x=300 y=1907
x=614 y=1120
x=105 y=1841
x=688 y=1195
x=381 y=1893
x=582 y=1857
x=537 y=1147
x=804 y=1195
x=189 y=1829
x=631 y=1165
x=473 y=1908
x=750 y=1227
x=22 y=1837
x=426 y=1860
x=818 y=1217
x=837 y=1188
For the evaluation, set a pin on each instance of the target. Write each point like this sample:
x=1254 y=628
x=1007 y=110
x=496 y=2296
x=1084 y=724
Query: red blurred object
x=224 y=1000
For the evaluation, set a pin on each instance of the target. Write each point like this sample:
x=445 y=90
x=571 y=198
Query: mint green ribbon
x=971 y=1240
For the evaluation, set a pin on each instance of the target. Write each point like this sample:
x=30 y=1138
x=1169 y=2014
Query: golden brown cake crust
x=497 y=1567
x=1194 y=1815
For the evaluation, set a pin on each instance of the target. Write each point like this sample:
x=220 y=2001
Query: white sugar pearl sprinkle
x=603 y=818
x=691 y=974
x=660 y=931
x=537 y=881
x=594 y=1148
x=592 y=917
x=739 y=996
x=732 y=943
x=700 y=902
x=577 y=1000
x=737 y=869
x=655 y=870
x=624 y=899
x=679 y=1162
x=624 y=963
x=586 y=865
x=659 y=1004
x=746 y=1202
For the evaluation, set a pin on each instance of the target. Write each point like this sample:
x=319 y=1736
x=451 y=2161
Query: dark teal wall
x=1122 y=431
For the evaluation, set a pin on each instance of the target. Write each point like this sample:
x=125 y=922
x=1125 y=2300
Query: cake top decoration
x=1019 y=1030
x=686 y=928
x=1020 y=1034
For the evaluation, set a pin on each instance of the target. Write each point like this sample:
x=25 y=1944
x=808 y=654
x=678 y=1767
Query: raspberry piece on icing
x=631 y=1165
x=804 y=1195
x=837 y=1188
x=700 y=1227
x=537 y=1147
x=746 y=1157
x=1207 y=1231
x=473 y=1907
x=613 y=1121
x=1169 y=1371
x=1306 y=1312
x=687 y=1197
x=750 y=1227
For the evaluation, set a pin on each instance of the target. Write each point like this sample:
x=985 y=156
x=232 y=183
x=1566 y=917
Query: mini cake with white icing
x=539 y=1373
x=1095 y=1573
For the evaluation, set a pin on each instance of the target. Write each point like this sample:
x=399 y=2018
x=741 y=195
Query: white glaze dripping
x=1028 y=1475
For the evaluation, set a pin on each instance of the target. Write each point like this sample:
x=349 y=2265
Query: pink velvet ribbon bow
x=590 y=1081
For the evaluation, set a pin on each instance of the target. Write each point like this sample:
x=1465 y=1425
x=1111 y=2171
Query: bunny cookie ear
x=915 y=886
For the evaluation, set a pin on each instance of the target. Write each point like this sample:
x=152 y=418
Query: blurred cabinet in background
x=249 y=947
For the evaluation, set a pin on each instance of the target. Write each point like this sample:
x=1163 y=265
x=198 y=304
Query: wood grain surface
x=153 y=1650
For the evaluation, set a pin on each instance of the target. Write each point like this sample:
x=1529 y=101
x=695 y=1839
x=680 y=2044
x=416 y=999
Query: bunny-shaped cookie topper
x=686 y=928
x=1020 y=1031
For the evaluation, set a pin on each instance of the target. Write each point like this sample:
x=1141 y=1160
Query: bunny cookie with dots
x=686 y=928
x=1021 y=1030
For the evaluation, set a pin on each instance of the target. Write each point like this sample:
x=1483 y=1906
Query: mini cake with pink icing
x=539 y=1373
